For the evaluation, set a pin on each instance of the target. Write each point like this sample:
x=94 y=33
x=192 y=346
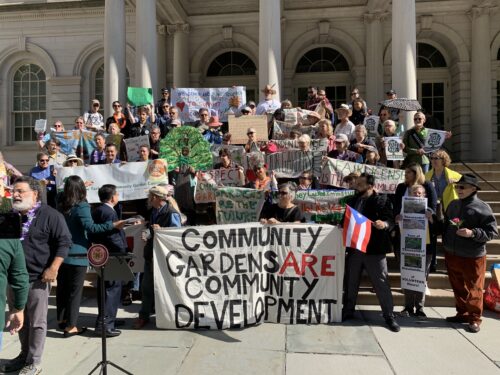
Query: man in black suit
x=377 y=208
x=115 y=242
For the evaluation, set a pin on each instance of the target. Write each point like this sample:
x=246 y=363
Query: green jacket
x=80 y=223
x=12 y=271
x=412 y=146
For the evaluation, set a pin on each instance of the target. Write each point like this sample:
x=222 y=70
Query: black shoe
x=420 y=314
x=406 y=313
x=119 y=322
x=347 y=316
x=109 y=332
x=473 y=328
x=393 y=326
x=14 y=364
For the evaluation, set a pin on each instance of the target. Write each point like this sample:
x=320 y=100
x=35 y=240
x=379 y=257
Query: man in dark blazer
x=115 y=242
x=377 y=208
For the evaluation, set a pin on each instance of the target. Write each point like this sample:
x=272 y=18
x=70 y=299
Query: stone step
x=492 y=247
x=487 y=185
x=393 y=265
x=479 y=167
x=437 y=280
x=490 y=175
x=438 y=298
x=489 y=195
x=495 y=206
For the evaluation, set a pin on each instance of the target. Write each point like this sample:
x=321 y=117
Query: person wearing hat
x=251 y=144
x=344 y=126
x=312 y=118
x=252 y=106
x=213 y=135
x=268 y=104
x=341 y=152
x=165 y=213
x=92 y=118
x=73 y=161
x=246 y=111
x=469 y=224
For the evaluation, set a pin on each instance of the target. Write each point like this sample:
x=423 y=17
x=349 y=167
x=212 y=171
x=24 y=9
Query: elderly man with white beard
x=46 y=240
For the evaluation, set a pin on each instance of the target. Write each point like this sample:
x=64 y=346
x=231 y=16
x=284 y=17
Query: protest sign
x=413 y=244
x=238 y=127
x=240 y=275
x=287 y=144
x=76 y=142
x=207 y=183
x=291 y=115
x=131 y=179
x=138 y=96
x=393 y=149
x=238 y=205
x=282 y=130
x=434 y=140
x=132 y=146
x=217 y=100
x=371 y=124
x=40 y=125
x=186 y=146
x=253 y=159
x=237 y=154
x=386 y=179
x=133 y=236
x=292 y=163
x=322 y=206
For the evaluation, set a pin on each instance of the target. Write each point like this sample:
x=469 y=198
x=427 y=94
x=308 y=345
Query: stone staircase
x=438 y=283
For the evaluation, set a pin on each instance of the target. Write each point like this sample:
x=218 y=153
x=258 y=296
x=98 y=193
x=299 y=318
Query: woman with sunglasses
x=443 y=179
x=44 y=172
x=284 y=211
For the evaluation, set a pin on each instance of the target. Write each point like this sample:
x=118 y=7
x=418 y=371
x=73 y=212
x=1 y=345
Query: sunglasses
x=462 y=187
x=57 y=126
x=43 y=160
x=304 y=178
x=116 y=105
x=282 y=193
x=418 y=119
x=250 y=133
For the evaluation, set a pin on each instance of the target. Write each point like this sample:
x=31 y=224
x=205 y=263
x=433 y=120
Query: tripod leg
x=119 y=368
x=95 y=368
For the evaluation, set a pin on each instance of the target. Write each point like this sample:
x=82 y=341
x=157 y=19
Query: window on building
x=322 y=59
x=335 y=94
x=231 y=64
x=433 y=102
x=99 y=85
x=429 y=57
x=29 y=101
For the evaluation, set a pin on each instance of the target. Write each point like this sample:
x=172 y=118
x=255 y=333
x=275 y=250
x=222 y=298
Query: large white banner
x=235 y=276
x=386 y=179
x=131 y=179
x=413 y=244
x=217 y=100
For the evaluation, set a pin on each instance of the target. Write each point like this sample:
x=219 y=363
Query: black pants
x=112 y=294
x=70 y=280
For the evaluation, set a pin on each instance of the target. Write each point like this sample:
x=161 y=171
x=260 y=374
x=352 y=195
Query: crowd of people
x=59 y=225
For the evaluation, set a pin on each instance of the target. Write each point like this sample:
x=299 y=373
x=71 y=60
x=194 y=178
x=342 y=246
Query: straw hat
x=344 y=107
x=71 y=158
x=269 y=89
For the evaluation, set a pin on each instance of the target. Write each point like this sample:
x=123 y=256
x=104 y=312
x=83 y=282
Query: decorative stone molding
x=324 y=30
x=227 y=33
x=22 y=43
x=179 y=27
x=65 y=81
x=375 y=16
x=426 y=22
x=482 y=11
x=161 y=29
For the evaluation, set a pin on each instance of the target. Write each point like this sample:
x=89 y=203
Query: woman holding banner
x=284 y=211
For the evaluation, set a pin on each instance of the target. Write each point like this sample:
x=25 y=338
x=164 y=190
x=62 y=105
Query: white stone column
x=114 y=54
x=181 y=54
x=374 y=59
x=404 y=66
x=270 y=65
x=146 y=43
x=481 y=117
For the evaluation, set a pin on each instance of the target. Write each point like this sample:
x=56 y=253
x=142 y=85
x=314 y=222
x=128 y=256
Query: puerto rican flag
x=357 y=230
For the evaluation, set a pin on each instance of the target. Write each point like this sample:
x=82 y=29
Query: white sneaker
x=31 y=370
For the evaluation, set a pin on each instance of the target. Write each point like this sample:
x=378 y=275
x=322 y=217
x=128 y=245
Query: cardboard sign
x=238 y=127
x=132 y=146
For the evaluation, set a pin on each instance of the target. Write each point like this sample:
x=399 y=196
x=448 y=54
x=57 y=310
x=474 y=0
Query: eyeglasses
x=19 y=191
x=96 y=105
x=282 y=193
x=116 y=105
x=57 y=126
x=435 y=158
x=43 y=160
x=462 y=187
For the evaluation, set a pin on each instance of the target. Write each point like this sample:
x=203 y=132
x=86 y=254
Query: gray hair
x=290 y=187
x=33 y=184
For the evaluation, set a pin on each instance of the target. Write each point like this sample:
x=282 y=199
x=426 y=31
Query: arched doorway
x=325 y=68
x=433 y=85
x=233 y=68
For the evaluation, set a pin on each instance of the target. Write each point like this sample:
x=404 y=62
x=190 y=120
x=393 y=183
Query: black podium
x=109 y=267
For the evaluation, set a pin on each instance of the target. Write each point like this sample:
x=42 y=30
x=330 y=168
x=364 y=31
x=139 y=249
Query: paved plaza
x=364 y=346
